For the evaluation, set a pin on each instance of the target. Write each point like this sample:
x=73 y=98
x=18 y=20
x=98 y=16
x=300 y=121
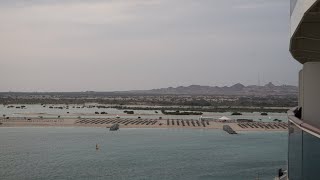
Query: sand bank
x=141 y=123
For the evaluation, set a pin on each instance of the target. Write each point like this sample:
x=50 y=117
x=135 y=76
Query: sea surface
x=160 y=154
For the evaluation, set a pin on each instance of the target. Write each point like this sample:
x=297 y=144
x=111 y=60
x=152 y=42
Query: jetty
x=228 y=129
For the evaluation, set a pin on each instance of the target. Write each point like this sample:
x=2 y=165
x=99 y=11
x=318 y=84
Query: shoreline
x=144 y=123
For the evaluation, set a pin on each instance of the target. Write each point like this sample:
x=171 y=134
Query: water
x=69 y=153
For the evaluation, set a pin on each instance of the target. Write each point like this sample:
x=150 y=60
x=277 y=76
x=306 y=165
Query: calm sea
x=171 y=154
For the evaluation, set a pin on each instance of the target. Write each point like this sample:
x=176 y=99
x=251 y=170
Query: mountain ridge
x=236 y=89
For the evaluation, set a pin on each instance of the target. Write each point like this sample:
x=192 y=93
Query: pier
x=228 y=129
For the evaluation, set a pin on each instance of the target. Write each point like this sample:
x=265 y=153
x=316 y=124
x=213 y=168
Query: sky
x=108 y=45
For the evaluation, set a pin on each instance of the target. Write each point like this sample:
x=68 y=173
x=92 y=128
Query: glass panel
x=295 y=153
x=311 y=157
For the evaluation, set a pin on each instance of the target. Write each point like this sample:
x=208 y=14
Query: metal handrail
x=301 y=123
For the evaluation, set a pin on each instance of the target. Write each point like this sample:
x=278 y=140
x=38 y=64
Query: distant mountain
x=236 y=89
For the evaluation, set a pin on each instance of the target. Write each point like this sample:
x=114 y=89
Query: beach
x=141 y=123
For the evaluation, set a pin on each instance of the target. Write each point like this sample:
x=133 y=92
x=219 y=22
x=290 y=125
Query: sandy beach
x=140 y=123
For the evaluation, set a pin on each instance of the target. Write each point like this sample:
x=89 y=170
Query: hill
x=236 y=89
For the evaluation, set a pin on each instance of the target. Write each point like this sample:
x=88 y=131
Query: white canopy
x=224 y=118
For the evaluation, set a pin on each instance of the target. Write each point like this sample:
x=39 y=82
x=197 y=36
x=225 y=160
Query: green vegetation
x=128 y=112
x=277 y=120
x=180 y=113
x=236 y=114
x=185 y=104
x=148 y=100
x=207 y=109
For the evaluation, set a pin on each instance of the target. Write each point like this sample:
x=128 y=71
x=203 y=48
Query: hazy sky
x=103 y=45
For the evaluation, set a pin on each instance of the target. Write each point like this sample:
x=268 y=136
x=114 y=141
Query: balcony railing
x=301 y=124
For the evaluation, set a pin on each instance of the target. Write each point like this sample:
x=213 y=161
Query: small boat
x=97 y=147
